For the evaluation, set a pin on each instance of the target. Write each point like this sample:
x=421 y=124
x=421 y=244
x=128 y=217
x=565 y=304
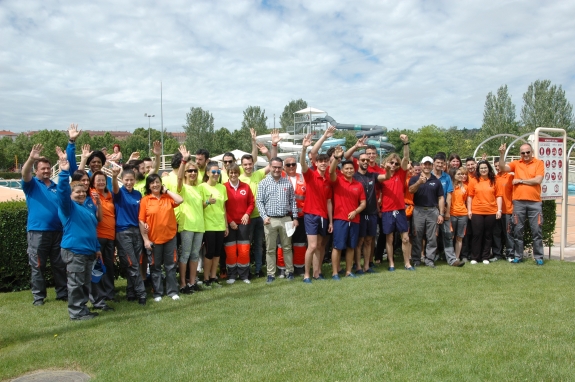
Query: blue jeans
x=257 y=238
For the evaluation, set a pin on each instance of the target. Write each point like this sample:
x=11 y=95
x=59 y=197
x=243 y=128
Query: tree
x=49 y=139
x=498 y=118
x=199 y=130
x=287 y=118
x=428 y=140
x=225 y=141
x=545 y=105
x=255 y=118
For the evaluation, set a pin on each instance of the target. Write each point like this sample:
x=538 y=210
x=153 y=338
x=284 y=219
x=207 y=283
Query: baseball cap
x=426 y=159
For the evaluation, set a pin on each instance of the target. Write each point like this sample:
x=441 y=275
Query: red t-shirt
x=317 y=193
x=394 y=192
x=347 y=196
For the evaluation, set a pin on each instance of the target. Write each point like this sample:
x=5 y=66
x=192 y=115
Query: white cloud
x=401 y=64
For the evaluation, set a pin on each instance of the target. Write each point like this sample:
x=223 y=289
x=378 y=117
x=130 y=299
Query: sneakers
x=359 y=272
x=351 y=275
x=486 y=262
x=430 y=265
x=510 y=259
x=290 y=276
x=186 y=290
x=458 y=263
x=175 y=297
x=142 y=301
x=38 y=302
x=391 y=269
x=230 y=281
x=410 y=268
x=307 y=280
x=246 y=281
x=335 y=278
x=157 y=299
x=473 y=262
x=539 y=262
x=206 y=285
x=85 y=317
x=319 y=277
x=282 y=274
x=369 y=270
x=270 y=279
x=517 y=261
x=494 y=259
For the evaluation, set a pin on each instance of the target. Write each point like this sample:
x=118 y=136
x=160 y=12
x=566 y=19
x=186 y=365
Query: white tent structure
x=261 y=161
x=310 y=110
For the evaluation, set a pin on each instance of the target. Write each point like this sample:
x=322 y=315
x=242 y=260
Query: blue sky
x=400 y=64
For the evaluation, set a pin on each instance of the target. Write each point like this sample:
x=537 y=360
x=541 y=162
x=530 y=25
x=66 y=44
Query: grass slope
x=483 y=322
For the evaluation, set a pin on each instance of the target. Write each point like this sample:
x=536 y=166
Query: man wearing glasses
x=275 y=199
x=299 y=237
x=529 y=173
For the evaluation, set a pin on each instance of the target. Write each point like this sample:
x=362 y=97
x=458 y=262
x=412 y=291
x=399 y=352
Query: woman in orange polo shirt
x=104 y=290
x=158 y=227
x=484 y=203
x=458 y=211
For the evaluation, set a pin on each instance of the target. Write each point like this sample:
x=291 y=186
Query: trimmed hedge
x=10 y=175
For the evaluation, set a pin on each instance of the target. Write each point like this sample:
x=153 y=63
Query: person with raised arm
x=349 y=201
x=158 y=227
x=318 y=208
x=44 y=229
x=80 y=246
x=190 y=221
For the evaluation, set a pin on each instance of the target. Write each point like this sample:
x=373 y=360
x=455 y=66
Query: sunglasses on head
x=525 y=152
x=291 y=164
x=216 y=172
x=192 y=170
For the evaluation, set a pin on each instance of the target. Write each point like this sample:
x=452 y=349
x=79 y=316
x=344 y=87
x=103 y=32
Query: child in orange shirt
x=458 y=211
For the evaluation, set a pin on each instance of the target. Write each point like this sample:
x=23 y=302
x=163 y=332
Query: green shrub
x=10 y=175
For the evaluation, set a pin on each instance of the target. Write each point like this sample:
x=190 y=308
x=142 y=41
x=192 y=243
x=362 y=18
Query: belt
x=282 y=216
x=426 y=208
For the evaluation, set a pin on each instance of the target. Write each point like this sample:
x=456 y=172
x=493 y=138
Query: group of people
x=223 y=217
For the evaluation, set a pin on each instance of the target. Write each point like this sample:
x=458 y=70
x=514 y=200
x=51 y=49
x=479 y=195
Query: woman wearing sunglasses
x=190 y=221
x=214 y=195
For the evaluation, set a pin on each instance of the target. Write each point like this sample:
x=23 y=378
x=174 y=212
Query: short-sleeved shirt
x=42 y=202
x=505 y=180
x=393 y=192
x=191 y=216
x=225 y=176
x=484 y=196
x=446 y=183
x=428 y=193
x=214 y=214
x=459 y=201
x=317 y=194
x=369 y=183
x=529 y=170
x=374 y=169
x=106 y=228
x=253 y=181
x=171 y=183
x=127 y=208
x=140 y=185
x=158 y=213
x=347 y=197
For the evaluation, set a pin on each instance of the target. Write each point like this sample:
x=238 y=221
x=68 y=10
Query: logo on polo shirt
x=243 y=192
x=431 y=183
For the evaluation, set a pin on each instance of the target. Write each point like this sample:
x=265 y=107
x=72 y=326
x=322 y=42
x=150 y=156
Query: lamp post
x=149 y=137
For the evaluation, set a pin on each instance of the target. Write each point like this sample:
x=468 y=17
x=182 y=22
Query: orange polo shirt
x=458 y=201
x=505 y=181
x=160 y=217
x=484 y=196
x=106 y=228
x=529 y=170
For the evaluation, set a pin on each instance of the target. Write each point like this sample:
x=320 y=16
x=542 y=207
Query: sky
x=400 y=64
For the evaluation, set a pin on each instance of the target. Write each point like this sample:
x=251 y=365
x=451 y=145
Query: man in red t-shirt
x=349 y=201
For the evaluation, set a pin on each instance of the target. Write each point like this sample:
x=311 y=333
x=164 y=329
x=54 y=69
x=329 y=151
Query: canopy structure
x=237 y=154
x=310 y=110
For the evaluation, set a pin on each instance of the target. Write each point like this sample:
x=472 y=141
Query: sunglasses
x=394 y=163
x=228 y=161
x=291 y=164
x=216 y=172
x=192 y=170
x=525 y=152
x=364 y=160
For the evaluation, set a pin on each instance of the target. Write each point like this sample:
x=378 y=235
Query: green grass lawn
x=479 y=323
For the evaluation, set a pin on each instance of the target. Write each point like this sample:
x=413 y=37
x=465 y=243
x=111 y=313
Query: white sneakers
x=485 y=262
x=231 y=281
x=473 y=262
x=247 y=281
x=157 y=299
x=175 y=297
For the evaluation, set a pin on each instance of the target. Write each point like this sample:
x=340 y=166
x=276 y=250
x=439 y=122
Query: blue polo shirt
x=71 y=154
x=446 y=183
x=127 y=208
x=78 y=220
x=428 y=193
x=42 y=203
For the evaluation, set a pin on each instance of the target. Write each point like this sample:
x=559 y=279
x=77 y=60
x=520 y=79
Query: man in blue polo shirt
x=445 y=227
x=44 y=227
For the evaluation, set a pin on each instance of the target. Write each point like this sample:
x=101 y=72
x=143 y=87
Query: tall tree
x=545 y=105
x=498 y=118
x=199 y=130
x=287 y=117
x=428 y=140
x=255 y=118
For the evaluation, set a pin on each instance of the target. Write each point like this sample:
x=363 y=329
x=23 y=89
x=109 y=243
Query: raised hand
x=62 y=159
x=86 y=151
x=253 y=133
x=275 y=136
x=116 y=169
x=388 y=167
x=263 y=148
x=404 y=138
x=184 y=152
x=135 y=155
x=307 y=140
x=73 y=131
x=36 y=150
x=338 y=152
x=484 y=156
x=502 y=148
x=361 y=142
x=157 y=150
x=330 y=132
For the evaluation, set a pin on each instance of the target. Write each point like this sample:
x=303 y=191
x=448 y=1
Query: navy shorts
x=315 y=225
x=394 y=221
x=345 y=234
x=368 y=225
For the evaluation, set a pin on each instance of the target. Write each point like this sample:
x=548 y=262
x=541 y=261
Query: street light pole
x=149 y=137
